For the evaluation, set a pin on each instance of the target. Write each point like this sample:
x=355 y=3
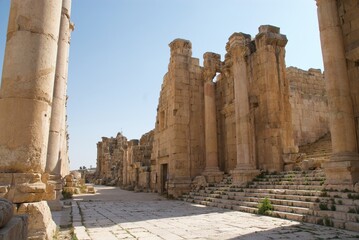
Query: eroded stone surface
x=41 y=225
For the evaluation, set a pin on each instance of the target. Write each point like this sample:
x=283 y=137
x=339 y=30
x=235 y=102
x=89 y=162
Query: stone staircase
x=295 y=195
x=319 y=151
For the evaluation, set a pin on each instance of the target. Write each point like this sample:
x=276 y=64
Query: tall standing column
x=343 y=167
x=58 y=112
x=53 y=166
x=246 y=165
x=212 y=62
x=25 y=107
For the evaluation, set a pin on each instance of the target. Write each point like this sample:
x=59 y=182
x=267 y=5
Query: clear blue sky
x=119 y=54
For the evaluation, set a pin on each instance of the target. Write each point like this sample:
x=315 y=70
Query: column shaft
x=210 y=127
x=243 y=138
x=342 y=171
x=27 y=84
x=56 y=135
x=342 y=125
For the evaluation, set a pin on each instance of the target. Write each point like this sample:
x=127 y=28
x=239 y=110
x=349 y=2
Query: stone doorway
x=164 y=178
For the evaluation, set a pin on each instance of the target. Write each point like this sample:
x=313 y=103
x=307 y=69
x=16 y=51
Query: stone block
x=41 y=225
x=15 y=229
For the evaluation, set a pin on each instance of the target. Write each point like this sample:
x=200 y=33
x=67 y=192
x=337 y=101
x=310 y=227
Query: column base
x=241 y=177
x=342 y=171
x=41 y=226
x=56 y=182
x=26 y=187
x=213 y=175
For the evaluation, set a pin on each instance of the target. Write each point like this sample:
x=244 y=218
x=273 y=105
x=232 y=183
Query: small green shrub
x=265 y=207
x=324 y=194
x=333 y=208
x=323 y=206
x=353 y=196
x=66 y=195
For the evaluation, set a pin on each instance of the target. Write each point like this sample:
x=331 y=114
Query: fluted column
x=53 y=165
x=246 y=167
x=343 y=166
x=211 y=66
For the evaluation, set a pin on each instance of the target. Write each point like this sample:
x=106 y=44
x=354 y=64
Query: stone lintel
x=181 y=47
x=270 y=35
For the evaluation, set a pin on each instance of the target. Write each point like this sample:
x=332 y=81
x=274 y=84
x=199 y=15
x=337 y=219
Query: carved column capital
x=212 y=64
x=181 y=47
x=270 y=35
x=237 y=45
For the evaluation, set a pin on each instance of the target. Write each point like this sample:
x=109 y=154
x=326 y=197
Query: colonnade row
x=342 y=170
x=33 y=136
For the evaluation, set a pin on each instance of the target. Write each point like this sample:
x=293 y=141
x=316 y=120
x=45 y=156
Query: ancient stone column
x=58 y=112
x=274 y=132
x=25 y=105
x=246 y=164
x=343 y=167
x=212 y=63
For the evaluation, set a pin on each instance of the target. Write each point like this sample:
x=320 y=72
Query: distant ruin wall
x=124 y=163
x=309 y=104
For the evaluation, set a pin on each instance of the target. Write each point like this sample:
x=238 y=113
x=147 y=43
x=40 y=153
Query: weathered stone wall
x=286 y=107
x=124 y=163
x=110 y=155
x=178 y=153
x=309 y=104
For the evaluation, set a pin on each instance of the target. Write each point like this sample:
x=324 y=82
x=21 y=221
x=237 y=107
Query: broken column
x=246 y=168
x=212 y=64
x=26 y=99
x=58 y=111
x=343 y=167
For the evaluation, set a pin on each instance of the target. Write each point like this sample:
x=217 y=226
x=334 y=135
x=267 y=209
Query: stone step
x=290 y=209
x=289 y=179
x=289 y=187
x=252 y=203
x=285 y=197
x=245 y=209
x=289 y=216
x=289 y=182
x=271 y=192
x=294 y=174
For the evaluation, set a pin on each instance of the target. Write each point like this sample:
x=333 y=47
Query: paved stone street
x=117 y=214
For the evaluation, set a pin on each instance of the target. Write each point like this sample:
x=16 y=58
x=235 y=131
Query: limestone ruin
x=201 y=110
x=33 y=136
x=227 y=123
x=241 y=115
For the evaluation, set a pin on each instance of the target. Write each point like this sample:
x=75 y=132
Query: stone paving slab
x=118 y=214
